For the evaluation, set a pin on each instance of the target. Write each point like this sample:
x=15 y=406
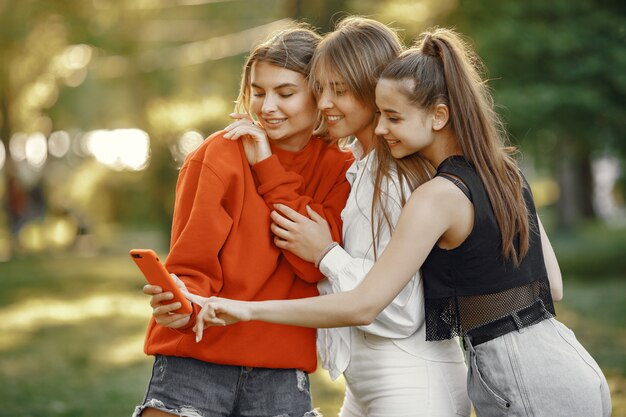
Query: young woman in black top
x=490 y=273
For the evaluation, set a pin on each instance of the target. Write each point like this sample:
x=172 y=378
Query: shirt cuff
x=267 y=169
x=334 y=262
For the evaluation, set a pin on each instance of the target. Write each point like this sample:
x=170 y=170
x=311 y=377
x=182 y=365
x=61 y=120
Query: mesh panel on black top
x=455 y=316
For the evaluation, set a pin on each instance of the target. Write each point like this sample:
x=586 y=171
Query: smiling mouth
x=333 y=118
x=392 y=142
x=274 y=122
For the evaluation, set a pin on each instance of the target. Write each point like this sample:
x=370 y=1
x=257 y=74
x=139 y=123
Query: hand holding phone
x=156 y=274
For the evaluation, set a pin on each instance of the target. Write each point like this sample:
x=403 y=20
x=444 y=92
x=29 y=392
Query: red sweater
x=222 y=245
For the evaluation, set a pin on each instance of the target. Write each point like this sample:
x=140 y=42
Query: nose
x=269 y=104
x=324 y=101
x=381 y=129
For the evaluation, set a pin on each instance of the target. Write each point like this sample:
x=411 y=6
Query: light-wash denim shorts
x=539 y=371
x=192 y=388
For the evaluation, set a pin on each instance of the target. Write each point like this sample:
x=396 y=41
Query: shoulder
x=216 y=154
x=439 y=196
x=214 y=148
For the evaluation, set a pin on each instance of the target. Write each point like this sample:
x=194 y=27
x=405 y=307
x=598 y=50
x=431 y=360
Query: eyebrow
x=284 y=85
x=390 y=111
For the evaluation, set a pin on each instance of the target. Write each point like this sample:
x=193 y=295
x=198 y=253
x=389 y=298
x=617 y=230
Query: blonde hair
x=358 y=50
x=291 y=48
x=443 y=69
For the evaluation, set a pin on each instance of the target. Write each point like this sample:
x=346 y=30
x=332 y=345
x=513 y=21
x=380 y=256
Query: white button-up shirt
x=345 y=267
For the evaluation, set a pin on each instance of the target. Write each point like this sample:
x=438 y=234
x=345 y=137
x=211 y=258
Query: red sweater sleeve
x=277 y=185
x=200 y=228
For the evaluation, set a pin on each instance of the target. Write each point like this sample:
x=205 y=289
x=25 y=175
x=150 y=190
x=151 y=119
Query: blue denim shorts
x=192 y=388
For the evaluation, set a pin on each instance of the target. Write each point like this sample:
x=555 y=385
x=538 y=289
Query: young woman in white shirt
x=389 y=368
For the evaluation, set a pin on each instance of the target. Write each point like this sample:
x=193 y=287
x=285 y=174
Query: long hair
x=357 y=51
x=443 y=69
x=291 y=48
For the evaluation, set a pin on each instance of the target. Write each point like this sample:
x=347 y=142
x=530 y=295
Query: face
x=284 y=105
x=406 y=127
x=343 y=113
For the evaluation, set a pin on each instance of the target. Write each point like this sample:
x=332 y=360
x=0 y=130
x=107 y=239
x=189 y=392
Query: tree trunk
x=576 y=187
x=12 y=195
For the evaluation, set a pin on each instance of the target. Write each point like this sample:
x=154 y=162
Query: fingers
x=280 y=232
x=281 y=221
x=151 y=289
x=173 y=320
x=240 y=116
x=205 y=317
x=290 y=213
x=159 y=298
x=196 y=299
x=239 y=131
x=242 y=127
x=164 y=309
x=164 y=313
x=281 y=243
x=314 y=216
x=179 y=283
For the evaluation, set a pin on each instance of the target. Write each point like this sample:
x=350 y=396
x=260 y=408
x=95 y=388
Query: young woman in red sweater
x=222 y=245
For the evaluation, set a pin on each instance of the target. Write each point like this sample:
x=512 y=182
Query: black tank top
x=473 y=285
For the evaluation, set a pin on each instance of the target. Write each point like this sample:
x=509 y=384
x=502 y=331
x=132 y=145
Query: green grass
x=71 y=332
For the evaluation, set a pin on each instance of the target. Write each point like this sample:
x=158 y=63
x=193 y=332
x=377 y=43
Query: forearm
x=552 y=265
x=334 y=310
x=401 y=318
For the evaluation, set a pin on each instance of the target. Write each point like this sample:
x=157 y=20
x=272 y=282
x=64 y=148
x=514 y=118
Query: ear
x=441 y=116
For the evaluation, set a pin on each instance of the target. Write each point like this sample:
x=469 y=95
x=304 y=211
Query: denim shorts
x=192 y=388
x=540 y=370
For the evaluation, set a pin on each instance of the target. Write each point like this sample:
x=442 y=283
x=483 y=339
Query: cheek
x=256 y=104
x=307 y=107
x=360 y=113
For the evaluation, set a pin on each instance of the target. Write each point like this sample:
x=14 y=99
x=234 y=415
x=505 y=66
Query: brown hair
x=358 y=50
x=443 y=69
x=291 y=48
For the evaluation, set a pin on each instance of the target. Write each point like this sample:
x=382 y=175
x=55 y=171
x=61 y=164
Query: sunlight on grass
x=123 y=353
x=36 y=313
x=20 y=322
x=327 y=394
x=73 y=326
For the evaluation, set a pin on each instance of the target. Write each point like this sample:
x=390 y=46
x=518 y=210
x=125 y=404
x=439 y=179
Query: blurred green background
x=101 y=100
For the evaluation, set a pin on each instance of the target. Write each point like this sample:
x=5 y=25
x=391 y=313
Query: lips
x=274 y=122
x=392 y=142
x=330 y=119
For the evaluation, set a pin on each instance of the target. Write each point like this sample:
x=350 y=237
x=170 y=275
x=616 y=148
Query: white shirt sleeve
x=399 y=319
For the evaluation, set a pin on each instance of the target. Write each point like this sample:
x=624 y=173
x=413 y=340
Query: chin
x=274 y=136
x=398 y=154
x=338 y=133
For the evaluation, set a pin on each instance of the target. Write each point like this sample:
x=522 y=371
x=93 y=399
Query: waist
x=254 y=344
x=516 y=320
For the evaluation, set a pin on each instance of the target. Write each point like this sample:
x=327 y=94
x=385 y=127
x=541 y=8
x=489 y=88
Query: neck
x=442 y=148
x=294 y=143
x=366 y=139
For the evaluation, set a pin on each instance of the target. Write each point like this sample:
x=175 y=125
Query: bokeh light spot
x=59 y=143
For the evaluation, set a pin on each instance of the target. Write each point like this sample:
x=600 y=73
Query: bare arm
x=428 y=214
x=552 y=265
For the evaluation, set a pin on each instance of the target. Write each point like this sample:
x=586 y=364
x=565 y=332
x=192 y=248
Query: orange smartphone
x=156 y=274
